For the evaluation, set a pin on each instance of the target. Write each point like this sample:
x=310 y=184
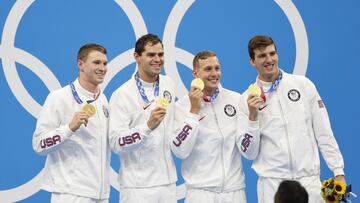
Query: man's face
x=94 y=67
x=209 y=71
x=266 y=63
x=151 y=60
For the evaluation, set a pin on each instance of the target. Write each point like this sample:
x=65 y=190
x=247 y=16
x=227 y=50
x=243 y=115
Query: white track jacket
x=145 y=154
x=291 y=129
x=209 y=143
x=77 y=162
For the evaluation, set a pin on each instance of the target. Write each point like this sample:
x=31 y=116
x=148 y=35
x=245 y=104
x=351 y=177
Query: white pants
x=205 y=196
x=69 y=198
x=267 y=187
x=158 y=194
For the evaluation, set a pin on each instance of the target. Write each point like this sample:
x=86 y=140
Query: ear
x=136 y=57
x=252 y=62
x=195 y=73
x=80 y=64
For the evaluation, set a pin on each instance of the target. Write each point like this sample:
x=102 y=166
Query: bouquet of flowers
x=335 y=191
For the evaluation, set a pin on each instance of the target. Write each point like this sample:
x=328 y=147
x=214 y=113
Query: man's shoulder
x=166 y=79
x=61 y=92
x=290 y=77
x=126 y=87
x=230 y=93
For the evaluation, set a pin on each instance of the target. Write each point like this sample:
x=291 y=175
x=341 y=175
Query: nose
x=103 y=66
x=157 y=57
x=268 y=58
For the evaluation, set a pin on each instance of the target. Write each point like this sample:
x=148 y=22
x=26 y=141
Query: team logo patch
x=167 y=96
x=294 y=95
x=230 y=110
x=106 y=111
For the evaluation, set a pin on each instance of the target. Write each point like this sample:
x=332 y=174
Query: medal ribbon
x=212 y=97
x=76 y=95
x=142 y=91
x=273 y=87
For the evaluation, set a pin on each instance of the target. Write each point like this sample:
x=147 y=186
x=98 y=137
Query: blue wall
x=40 y=39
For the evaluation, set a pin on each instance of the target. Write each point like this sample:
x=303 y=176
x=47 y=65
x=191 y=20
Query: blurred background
x=40 y=40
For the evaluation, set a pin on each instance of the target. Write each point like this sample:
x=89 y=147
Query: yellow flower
x=325 y=184
x=339 y=187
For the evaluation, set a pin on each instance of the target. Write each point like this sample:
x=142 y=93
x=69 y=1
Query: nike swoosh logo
x=201 y=118
x=145 y=107
x=261 y=108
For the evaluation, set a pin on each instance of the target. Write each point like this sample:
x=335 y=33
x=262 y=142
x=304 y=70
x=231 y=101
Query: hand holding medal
x=198 y=83
x=254 y=101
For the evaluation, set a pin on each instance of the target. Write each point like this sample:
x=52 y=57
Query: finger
x=85 y=121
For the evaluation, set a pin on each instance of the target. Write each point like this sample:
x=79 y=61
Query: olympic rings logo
x=10 y=54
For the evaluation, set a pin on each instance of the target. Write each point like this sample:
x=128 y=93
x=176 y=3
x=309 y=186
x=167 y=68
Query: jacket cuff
x=338 y=171
x=253 y=125
x=66 y=131
x=145 y=130
x=192 y=119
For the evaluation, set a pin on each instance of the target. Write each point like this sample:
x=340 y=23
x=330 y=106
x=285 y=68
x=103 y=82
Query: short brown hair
x=87 y=48
x=150 y=39
x=201 y=56
x=259 y=41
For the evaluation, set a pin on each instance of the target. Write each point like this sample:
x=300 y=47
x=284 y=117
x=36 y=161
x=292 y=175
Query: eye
x=150 y=54
x=97 y=62
x=261 y=56
x=273 y=53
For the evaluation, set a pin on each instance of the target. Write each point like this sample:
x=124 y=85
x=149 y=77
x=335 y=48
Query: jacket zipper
x=222 y=150
x=101 y=161
x=164 y=152
x=287 y=140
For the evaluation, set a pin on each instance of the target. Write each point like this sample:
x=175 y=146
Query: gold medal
x=198 y=83
x=254 y=89
x=89 y=109
x=162 y=102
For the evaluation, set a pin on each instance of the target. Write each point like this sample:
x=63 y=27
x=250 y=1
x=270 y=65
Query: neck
x=270 y=78
x=209 y=92
x=147 y=78
x=88 y=85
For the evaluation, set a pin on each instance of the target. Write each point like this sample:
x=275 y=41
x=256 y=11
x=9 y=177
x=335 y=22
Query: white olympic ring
x=13 y=54
x=177 y=14
x=10 y=54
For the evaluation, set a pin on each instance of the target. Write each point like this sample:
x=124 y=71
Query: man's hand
x=340 y=178
x=79 y=118
x=156 y=116
x=195 y=96
x=254 y=103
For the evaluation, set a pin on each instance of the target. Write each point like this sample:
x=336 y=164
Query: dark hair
x=291 y=191
x=201 y=56
x=150 y=39
x=87 y=48
x=259 y=41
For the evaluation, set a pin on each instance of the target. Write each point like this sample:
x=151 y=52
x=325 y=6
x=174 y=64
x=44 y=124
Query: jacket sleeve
x=248 y=139
x=51 y=132
x=185 y=131
x=323 y=133
x=122 y=138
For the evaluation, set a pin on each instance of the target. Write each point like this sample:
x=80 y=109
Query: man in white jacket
x=140 y=129
x=208 y=141
x=292 y=124
x=72 y=131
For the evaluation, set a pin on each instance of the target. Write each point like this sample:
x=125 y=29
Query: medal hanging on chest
x=272 y=88
x=88 y=108
x=142 y=91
